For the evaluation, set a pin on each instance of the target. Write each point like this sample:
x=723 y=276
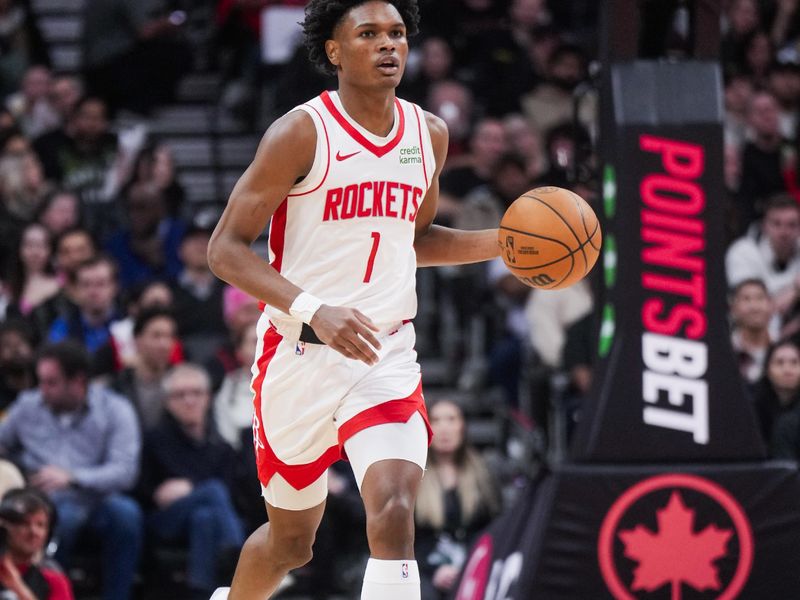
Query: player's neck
x=374 y=111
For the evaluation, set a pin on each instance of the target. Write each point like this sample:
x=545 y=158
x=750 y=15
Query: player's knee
x=394 y=516
x=292 y=550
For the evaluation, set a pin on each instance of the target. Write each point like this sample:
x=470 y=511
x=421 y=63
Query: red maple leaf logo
x=675 y=554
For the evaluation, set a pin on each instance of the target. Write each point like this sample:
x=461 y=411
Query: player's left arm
x=436 y=245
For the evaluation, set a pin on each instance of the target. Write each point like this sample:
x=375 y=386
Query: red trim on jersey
x=358 y=136
x=393 y=411
x=421 y=146
x=328 y=144
x=277 y=235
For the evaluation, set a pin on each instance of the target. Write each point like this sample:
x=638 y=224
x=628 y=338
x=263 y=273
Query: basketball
x=550 y=238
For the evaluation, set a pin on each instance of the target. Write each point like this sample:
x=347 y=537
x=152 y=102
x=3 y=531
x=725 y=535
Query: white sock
x=220 y=593
x=391 y=580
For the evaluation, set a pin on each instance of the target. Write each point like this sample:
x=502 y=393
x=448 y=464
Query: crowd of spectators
x=124 y=364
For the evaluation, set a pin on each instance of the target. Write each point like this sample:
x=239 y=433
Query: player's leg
x=284 y=543
x=388 y=463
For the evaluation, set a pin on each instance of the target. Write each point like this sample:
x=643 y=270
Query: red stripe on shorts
x=393 y=411
x=298 y=476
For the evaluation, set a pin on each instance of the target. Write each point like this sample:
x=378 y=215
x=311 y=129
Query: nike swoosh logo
x=340 y=156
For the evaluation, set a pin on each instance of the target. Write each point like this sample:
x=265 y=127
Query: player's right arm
x=285 y=155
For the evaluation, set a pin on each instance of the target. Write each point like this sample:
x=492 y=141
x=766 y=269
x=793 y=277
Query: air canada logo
x=677 y=537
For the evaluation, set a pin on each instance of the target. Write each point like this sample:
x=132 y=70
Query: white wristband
x=304 y=307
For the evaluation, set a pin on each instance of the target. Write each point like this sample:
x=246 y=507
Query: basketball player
x=350 y=183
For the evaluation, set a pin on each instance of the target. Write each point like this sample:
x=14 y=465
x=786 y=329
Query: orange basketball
x=550 y=238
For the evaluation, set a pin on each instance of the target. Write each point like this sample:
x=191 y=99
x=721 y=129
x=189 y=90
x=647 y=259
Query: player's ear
x=332 y=50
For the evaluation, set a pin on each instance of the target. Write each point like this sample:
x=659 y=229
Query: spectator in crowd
x=779 y=388
x=506 y=345
x=156 y=164
x=751 y=313
x=28 y=517
x=80 y=445
x=774 y=257
x=73 y=247
x=96 y=291
x=16 y=361
x=487 y=146
x=233 y=403
x=23 y=187
x=738 y=94
x=59 y=212
x=453 y=103
x=32 y=279
x=577 y=360
x=568 y=149
x=466 y=22
x=81 y=157
x=143 y=382
x=550 y=313
x=524 y=141
x=31 y=106
x=65 y=93
x=784 y=83
x=436 y=64
x=188 y=473
x=736 y=207
x=484 y=206
x=758 y=58
x=785 y=442
x=149 y=246
x=551 y=102
x=198 y=297
x=742 y=20
x=14 y=143
x=146 y=296
x=505 y=67
x=240 y=311
x=784 y=22
x=457 y=499
x=133 y=52
x=21 y=43
x=764 y=160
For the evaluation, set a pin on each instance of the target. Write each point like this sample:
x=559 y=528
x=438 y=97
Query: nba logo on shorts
x=404 y=570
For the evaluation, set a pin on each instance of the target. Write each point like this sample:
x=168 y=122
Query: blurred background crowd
x=125 y=364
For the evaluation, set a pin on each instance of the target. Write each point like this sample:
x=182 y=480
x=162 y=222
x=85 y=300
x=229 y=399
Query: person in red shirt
x=26 y=516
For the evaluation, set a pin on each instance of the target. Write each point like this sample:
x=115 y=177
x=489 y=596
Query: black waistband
x=309 y=336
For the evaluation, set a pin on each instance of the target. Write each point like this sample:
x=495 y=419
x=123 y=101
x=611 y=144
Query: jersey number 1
x=376 y=239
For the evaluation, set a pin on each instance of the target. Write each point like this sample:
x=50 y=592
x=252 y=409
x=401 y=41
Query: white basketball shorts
x=309 y=400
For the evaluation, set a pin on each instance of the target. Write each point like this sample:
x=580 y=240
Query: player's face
x=370 y=46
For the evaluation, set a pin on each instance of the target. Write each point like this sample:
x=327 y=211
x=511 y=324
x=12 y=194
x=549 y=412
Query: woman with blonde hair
x=457 y=499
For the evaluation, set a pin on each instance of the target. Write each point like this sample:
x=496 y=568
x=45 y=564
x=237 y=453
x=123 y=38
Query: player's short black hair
x=322 y=17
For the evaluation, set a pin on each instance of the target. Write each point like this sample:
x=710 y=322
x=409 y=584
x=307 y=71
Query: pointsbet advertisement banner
x=666 y=383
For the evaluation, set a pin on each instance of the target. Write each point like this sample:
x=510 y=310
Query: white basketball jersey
x=345 y=233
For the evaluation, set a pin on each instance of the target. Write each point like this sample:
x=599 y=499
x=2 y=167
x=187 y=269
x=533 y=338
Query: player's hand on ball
x=347 y=331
